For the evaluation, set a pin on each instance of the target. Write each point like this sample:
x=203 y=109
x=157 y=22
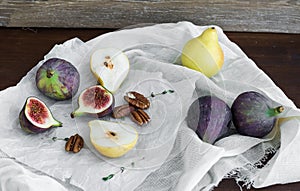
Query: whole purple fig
x=253 y=114
x=58 y=79
x=209 y=116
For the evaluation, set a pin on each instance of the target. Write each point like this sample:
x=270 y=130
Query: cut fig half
x=35 y=117
x=110 y=66
x=94 y=101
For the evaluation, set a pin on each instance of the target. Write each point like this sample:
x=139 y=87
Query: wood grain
x=232 y=15
x=277 y=54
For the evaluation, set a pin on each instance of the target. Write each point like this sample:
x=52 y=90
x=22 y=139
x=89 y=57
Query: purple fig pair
x=252 y=114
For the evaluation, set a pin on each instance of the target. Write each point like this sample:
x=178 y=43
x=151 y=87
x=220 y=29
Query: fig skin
x=209 y=117
x=253 y=114
x=58 y=79
x=29 y=127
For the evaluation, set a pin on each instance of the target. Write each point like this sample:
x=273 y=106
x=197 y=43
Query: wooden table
x=277 y=54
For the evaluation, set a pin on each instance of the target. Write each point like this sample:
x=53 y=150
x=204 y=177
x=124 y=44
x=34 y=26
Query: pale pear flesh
x=110 y=66
x=112 y=139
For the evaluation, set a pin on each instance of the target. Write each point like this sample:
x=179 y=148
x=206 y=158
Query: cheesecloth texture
x=168 y=155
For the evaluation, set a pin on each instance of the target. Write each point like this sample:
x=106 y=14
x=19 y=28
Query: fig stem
x=50 y=73
x=275 y=111
x=76 y=114
x=161 y=93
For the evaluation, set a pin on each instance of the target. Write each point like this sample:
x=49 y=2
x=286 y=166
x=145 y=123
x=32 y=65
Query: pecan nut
x=137 y=100
x=74 y=144
x=122 y=111
x=140 y=117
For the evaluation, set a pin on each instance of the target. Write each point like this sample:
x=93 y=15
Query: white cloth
x=14 y=177
x=170 y=157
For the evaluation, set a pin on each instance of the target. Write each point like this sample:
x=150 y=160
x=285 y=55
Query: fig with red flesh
x=58 y=79
x=35 y=116
x=94 y=101
x=209 y=116
x=254 y=115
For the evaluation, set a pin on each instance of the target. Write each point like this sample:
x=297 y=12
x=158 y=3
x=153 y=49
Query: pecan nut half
x=122 y=111
x=74 y=144
x=137 y=100
x=140 y=117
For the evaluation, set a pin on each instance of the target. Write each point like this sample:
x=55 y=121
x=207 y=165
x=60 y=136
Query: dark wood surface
x=277 y=54
x=233 y=15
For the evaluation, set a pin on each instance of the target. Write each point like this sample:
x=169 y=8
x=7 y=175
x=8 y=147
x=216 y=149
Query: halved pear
x=112 y=139
x=110 y=66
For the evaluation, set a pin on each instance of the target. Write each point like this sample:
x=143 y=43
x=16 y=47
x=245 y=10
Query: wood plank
x=232 y=15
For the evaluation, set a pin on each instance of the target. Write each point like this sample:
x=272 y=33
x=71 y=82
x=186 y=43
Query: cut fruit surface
x=112 y=139
x=110 y=66
x=36 y=117
x=95 y=100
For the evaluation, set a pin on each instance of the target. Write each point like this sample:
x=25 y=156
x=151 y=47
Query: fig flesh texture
x=204 y=53
x=94 y=101
x=210 y=117
x=110 y=66
x=112 y=139
x=253 y=114
x=58 y=79
x=35 y=116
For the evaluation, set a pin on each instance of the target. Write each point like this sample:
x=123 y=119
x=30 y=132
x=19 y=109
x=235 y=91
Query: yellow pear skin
x=112 y=139
x=204 y=53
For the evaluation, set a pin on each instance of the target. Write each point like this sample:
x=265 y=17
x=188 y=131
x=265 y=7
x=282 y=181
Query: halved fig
x=35 y=116
x=95 y=101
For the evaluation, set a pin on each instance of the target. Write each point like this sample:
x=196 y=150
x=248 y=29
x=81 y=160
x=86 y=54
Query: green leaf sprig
x=161 y=93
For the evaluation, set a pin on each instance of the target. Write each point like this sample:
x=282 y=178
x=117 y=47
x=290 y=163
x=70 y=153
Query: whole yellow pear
x=204 y=53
